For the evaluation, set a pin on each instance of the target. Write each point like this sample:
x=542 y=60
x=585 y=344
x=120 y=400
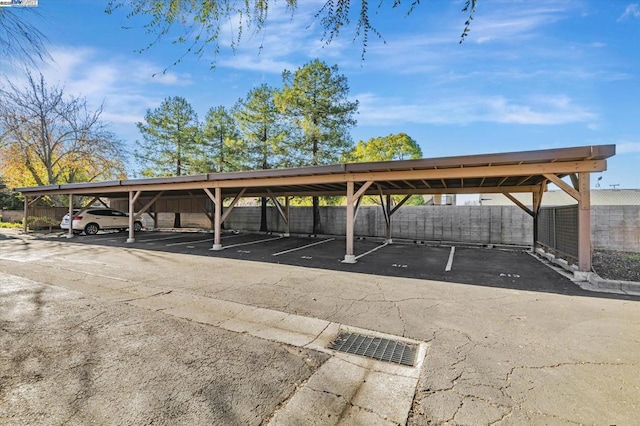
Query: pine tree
x=315 y=99
x=223 y=147
x=170 y=144
x=264 y=133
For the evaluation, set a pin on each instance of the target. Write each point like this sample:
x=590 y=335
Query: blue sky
x=531 y=75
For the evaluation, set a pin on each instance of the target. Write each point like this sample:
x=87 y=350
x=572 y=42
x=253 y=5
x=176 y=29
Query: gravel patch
x=617 y=265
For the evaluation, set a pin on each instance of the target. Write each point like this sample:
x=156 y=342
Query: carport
x=507 y=173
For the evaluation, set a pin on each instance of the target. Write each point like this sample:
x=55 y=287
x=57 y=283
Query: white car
x=94 y=219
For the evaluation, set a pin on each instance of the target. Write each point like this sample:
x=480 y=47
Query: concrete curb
x=590 y=280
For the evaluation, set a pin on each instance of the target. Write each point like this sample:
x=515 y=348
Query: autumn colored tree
x=47 y=138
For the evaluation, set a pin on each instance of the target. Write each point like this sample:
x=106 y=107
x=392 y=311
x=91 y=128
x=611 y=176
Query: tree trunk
x=263 y=215
x=317 y=226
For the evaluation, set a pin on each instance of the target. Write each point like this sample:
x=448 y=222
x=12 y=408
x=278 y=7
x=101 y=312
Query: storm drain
x=376 y=348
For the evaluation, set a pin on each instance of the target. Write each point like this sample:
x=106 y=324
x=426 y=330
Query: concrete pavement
x=495 y=355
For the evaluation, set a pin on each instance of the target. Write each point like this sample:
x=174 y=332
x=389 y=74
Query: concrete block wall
x=612 y=227
x=473 y=224
x=616 y=227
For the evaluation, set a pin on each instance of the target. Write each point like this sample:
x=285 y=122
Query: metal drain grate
x=376 y=348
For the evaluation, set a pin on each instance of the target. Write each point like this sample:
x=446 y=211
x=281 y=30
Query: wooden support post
x=132 y=201
x=584 y=223
x=349 y=257
x=70 y=231
x=537 y=202
x=26 y=214
x=387 y=208
x=217 y=221
x=287 y=203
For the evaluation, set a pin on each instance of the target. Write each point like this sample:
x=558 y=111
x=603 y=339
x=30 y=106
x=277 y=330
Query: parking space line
x=226 y=237
x=303 y=247
x=371 y=251
x=252 y=242
x=173 y=237
x=210 y=239
x=450 y=261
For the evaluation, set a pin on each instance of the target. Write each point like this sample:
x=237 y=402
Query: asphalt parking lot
x=513 y=268
x=166 y=331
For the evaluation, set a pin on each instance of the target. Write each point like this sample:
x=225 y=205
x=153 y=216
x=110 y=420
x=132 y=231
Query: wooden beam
x=211 y=196
x=35 y=200
x=575 y=181
x=563 y=185
x=232 y=205
x=397 y=206
x=150 y=203
x=362 y=189
x=564 y=167
x=519 y=204
x=278 y=207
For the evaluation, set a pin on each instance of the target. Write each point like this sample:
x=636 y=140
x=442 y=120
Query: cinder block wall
x=474 y=224
x=612 y=227
x=616 y=227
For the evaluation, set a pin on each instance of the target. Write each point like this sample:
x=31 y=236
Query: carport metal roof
x=506 y=173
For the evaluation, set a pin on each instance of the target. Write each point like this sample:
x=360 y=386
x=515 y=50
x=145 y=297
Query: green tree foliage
x=9 y=200
x=388 y=148
x=48 y=138
x=315 y=100
x=170 y=144
x=223 y=147
x=264 y=133
x=262 y=128
x=199 y=22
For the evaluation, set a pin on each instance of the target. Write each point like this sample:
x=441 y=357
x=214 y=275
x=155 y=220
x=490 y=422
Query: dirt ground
x=617 y=265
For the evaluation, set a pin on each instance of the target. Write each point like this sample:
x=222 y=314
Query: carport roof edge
x=548 y=160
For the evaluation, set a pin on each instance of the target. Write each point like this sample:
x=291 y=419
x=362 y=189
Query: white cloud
x=548 y=110
x=625 y=147
x=126 y=87
x=511 y=22
x=631 y=11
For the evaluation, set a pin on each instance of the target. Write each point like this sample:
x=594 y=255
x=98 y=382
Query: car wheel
x=91 y=229
x=137 y=227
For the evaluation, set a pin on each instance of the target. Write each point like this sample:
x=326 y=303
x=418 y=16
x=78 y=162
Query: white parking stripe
x=173 y=237
x=371 y=251
x=450 y=261
x=210 y=239
x=252 y=242
x=303 y=247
